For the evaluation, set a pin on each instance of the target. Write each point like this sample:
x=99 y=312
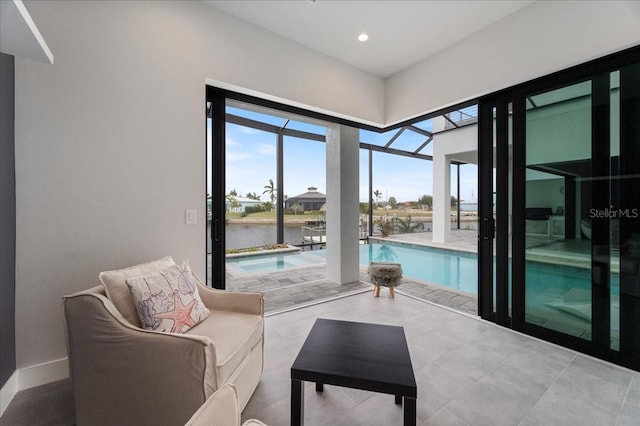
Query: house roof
x=312 y=193
x=247 y=200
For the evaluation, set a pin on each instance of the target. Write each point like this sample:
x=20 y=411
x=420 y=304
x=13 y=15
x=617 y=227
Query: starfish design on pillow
x=181 y=314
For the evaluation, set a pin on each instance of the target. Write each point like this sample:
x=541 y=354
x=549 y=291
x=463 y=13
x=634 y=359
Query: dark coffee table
x=356 y=355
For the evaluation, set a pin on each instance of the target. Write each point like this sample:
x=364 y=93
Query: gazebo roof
x=310 y=194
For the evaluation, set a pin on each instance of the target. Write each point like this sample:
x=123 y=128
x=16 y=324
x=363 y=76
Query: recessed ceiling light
x=363 y=37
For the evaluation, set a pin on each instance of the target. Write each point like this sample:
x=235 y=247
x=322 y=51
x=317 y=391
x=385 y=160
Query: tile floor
x=469 y=372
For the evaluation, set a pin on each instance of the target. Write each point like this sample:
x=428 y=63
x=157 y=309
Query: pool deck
x=304 y=286
x=461 y=240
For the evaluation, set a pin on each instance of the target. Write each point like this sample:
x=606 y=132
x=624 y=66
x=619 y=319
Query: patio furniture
x=385 y=274
x=355 y=355
x=123 y=374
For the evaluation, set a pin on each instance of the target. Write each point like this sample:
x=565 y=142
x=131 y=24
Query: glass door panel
x=614 y=222
x=558 y=200
x=571 y=273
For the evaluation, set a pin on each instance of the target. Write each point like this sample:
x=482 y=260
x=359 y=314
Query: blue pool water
x=256 y=264
x=453 y=269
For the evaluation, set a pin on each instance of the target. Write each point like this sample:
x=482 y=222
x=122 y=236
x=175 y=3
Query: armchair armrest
x=248 y=303
x=112 y=363
x=221 y=409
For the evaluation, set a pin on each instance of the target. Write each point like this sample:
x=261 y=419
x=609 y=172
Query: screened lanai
x=284 y=131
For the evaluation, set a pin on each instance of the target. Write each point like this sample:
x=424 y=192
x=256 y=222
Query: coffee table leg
x=297 y=402
x=409 y=411
x=319 y=387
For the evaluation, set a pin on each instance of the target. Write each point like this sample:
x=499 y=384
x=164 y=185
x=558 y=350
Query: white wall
x=545 y=193
x=110 y=141
x=459 y=144
x=541 y=38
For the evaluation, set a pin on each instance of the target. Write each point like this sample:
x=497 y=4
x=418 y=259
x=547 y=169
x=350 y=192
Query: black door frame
x=494 y=109
x=218 y=97
x=218 y=185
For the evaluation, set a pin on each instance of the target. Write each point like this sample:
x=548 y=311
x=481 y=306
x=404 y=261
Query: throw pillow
x=168 y=301
x=114 y=283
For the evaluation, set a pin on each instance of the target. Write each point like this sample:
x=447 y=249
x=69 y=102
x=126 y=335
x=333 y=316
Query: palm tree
x=271 y=190
x=377 y=194
x=405 y=226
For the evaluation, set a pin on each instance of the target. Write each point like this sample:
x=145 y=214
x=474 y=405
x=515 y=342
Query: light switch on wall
x=191 y=216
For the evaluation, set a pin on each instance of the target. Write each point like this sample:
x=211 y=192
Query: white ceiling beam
x=19 y=35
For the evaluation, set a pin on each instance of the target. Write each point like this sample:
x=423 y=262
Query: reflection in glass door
x=581 y=269
x=559 y=196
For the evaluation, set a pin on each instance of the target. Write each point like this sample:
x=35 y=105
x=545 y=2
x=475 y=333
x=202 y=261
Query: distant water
x=467 y=207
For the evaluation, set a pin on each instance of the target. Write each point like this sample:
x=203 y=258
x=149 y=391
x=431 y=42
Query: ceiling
x=401 y=33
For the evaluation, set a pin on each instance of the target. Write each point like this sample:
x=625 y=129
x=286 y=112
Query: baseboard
x=34 y=375
x=41 y=374
x=8 y=391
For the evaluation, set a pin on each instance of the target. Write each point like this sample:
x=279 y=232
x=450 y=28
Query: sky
x=251 y=162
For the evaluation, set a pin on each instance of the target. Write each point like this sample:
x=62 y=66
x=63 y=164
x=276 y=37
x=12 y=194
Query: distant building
x=242 y=204
x=310 y=200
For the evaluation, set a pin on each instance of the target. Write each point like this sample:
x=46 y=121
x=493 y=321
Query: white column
x=441 y=197
x=343 y=210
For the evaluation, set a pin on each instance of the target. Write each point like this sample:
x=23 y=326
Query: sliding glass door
x=560 y=181
x=560 y=249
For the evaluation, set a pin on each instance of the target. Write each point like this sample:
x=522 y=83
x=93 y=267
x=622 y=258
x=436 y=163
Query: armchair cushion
x=117 y=291
x=234 y=334
x=168 y=301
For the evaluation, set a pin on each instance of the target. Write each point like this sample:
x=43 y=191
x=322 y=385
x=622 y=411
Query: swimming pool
x=453 y=269
x=256 y=264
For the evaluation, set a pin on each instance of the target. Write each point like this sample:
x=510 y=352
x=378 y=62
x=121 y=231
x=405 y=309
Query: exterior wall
x=448 y=146
x=306 y=204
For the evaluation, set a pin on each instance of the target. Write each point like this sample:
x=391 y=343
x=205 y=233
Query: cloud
x=248 y=130
x=230 y=141
x=266 y=149
x=238 y=156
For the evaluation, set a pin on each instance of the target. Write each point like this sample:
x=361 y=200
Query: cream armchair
x=221 y=409
x=125 y=375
